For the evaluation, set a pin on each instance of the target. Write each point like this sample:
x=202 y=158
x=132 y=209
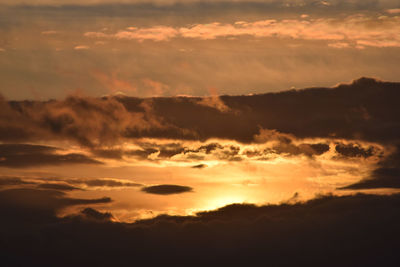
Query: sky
x=199 y=48
x=185 y=133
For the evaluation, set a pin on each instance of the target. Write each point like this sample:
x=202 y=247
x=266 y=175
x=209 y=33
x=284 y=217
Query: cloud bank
x=328 y=227
x=354 y=31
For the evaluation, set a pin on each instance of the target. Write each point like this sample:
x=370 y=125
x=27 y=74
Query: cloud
x=60 y=187
x=352 y=31
x=81 y=47
x=27 y=155
x=393 y=11
x=363 y=110
x=113 y=83
x=199 y=166
x=66 y=184
x=92 y=214
x=234 y=235
x=103 y=182
x=92 y=122
x=214 y=102
x=166 y=189
x=6 y=181
x=386 y=175
x=354 y=150
x=35 y=205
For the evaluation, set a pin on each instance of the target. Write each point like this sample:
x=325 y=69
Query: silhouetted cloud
x=199 y=166
x=104 y=182
x=354 y=150
x=26 y=155
x=386 y=175
x=36 y=205
x=93 y=214
x=55 y=186
x=6 y=181
x=363 y=110
x=166 y=189
x=329 y=227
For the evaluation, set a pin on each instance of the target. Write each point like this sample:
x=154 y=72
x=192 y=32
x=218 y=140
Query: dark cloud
x=330 y=230
x=363 y=110
x=61 y=187
x=26 y=155
x=66 y=184
x=6 y=181
x=306 y=149
x=166 y=189
x=91 y=213
x=210 y=147
x=38 y=205
x=200 y=166
x=386 y=175
x=102 y=182
x=354 y=150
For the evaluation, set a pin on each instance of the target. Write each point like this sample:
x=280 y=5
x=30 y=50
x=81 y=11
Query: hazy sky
x=49 y=49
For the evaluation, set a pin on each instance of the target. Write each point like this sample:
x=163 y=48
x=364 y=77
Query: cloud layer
x=324 y=228
x=354 y=31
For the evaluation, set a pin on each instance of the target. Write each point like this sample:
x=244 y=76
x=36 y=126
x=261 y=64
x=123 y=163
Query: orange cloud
x=112 y=83
x=81 y=47
x=156 y=88
x=214 y=101
x=348 y=32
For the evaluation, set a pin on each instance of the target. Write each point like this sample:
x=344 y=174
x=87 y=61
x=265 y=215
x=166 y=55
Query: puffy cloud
x=88 y=121
x=363 y=110
x=92 y=214
x=354 y=150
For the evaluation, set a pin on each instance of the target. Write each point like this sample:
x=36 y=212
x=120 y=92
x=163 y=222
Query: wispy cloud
x=393 y=11
x=81 y=47
x=354 y=31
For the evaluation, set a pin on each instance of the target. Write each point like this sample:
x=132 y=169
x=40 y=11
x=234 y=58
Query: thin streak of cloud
x=81 y=47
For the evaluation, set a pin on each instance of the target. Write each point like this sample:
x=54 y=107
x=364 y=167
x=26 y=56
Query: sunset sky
x=217 y=128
